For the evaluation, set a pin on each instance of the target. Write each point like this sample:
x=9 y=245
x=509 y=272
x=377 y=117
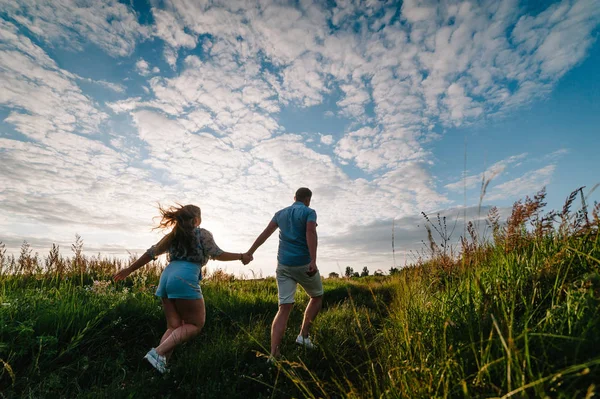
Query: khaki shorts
x=288 y=278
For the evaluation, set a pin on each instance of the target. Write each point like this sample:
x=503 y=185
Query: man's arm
x=260 y=240
x=311 y=241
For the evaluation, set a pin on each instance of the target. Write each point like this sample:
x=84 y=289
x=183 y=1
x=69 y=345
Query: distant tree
x=365 y=272
x=378 y=272
x=394 y=270
x=349 y=271
x=334 y=275
x=355 y=274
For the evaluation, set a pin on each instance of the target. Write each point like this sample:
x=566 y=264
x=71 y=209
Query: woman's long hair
x=181 y=221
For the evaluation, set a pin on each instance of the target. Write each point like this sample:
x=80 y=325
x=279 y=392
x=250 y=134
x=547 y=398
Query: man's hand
x=312 y=269
x=122 y=275
x=247 y=258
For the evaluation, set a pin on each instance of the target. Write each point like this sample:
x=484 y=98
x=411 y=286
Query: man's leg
x=278 y=327
x=314 y=288
x=286 y=291
x=312 y=309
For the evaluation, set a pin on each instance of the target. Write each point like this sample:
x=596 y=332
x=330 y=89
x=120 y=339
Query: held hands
x=312 y=269
x=247 y=258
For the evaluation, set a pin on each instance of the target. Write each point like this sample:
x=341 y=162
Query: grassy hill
x=517 y=316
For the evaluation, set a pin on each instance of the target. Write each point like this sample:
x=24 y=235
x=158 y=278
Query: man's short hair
x=303 y=193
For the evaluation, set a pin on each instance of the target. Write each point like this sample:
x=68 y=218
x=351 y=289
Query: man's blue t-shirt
x=293 y=249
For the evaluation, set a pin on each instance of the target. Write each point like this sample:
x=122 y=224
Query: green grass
x=516 y=319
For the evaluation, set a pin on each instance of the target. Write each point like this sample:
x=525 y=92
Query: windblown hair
x=180 y=219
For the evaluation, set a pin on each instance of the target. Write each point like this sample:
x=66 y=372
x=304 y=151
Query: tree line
x=365 y=272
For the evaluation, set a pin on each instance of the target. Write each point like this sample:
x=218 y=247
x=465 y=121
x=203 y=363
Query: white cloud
x=327 y=139
x=108 y=24
x=171 y=31
x=303 y=82
x=492 y=173
x=414 y=12
x=220 y=95
x=449 y=63
x=211 y=130
x=529 y=183
x=116 y=87
x=559 y=36
x=142 y=67
x=354 y=101
x=60 y=181
x=372 y=150
x=459 y=105
x=171 y=56
x=554 y=156
x=42 y=97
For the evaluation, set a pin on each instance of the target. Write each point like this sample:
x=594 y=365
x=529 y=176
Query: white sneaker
x=157 y=361
x=305 y=342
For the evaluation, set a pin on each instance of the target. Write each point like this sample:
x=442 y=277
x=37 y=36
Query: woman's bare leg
x=193 y=315
x=173 y=320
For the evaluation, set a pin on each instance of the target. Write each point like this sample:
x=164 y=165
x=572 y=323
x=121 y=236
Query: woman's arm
x=227 y=256
x=212 y=249
x=141 y=261
x=161 y=247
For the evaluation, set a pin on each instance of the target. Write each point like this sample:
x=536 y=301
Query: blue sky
x=108 y=109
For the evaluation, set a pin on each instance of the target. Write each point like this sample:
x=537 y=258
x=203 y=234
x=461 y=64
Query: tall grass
x=515 y=316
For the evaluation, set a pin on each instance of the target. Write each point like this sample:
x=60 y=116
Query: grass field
x=517 y=316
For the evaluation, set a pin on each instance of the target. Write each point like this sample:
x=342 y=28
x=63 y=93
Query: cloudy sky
x=383 y=109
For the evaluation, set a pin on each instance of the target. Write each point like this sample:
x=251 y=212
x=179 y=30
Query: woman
x=189 y=247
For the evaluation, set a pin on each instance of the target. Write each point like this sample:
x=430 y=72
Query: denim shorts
x=288 y=278
x=180 y=280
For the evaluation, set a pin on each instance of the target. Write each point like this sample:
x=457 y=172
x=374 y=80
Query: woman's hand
x=122 y=274
x=247 y=258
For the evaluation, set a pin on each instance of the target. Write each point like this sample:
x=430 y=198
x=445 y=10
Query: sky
x=383 y=109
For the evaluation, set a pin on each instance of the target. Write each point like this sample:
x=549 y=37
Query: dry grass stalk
x=470 y=249
x=27 y=263
x=2 y=257
x=521 y=213
x=564 y=215
x=441 y=258
x=497 y=229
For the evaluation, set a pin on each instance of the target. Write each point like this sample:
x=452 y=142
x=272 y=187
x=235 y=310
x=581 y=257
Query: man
x=296 y=264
